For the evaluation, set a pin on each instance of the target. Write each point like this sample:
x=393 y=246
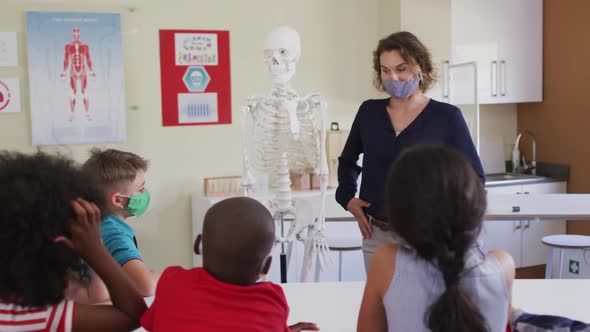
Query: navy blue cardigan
x=372 y=135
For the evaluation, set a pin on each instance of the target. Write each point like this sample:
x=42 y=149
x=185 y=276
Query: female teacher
x=383 y=128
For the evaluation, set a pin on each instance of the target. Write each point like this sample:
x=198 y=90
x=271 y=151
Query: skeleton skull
x=282 y=50
x=196 y=77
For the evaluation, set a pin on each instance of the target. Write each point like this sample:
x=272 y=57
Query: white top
x=417 y=284
x=567 y=241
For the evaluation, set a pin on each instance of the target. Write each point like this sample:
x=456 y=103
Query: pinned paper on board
x=8 y=49
x=195 y=76
x=9 y=95
x=196 y=49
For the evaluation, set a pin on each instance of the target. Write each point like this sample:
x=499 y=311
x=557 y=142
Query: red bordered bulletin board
x=195 y=77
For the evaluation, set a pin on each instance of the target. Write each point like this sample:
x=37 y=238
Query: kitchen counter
x=507 y=179
x=546 y=173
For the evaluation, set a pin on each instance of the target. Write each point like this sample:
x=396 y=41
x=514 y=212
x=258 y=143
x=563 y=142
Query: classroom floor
x=531 y=272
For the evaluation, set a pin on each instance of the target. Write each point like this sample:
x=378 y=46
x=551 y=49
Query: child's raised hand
x=304 y=326
x=85 y=229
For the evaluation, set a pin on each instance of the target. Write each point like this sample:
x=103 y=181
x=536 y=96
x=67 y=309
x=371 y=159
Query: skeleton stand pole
x=283 y=255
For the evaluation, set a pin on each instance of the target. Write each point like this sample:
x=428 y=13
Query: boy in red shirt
x=224 y=295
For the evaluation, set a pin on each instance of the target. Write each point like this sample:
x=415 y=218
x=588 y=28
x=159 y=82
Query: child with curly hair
x=50 y=220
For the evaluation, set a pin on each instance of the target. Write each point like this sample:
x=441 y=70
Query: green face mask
x=138 y=204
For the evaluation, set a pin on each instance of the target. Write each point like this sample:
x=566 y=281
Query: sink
x=507 y=178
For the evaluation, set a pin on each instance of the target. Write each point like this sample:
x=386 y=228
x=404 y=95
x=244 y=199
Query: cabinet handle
x=526 y=192
x=494 y=78
x=503 y=77
x=446 y=79
x=518 y=225
x=528 y=224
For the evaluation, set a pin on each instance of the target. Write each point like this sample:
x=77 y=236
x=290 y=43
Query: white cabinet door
x=533 y=250
x=520 y=56
x=474 y=37
x=545 y=188
x=438 y=41
x=503 y=234
x=504 y=37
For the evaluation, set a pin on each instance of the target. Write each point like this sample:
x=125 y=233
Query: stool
x=340 y=244
x=563 y=241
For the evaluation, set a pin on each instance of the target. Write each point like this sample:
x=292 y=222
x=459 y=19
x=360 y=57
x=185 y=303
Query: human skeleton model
x=287 y=133
x=77 y=58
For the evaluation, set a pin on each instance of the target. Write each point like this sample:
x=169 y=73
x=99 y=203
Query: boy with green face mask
x=122 y=176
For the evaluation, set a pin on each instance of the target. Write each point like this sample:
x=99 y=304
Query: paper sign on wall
x=9 y=95
x=8 y=49
x=195 y=77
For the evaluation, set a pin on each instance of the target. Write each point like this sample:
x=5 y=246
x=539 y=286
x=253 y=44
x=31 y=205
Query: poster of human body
x=76 y=77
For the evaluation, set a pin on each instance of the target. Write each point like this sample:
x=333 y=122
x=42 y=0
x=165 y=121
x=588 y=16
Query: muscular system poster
x=76 y=77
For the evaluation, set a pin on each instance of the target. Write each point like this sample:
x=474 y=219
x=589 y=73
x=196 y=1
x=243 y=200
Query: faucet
x=533 y=164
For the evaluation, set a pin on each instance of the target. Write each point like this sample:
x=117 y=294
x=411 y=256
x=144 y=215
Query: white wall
x=337 y=39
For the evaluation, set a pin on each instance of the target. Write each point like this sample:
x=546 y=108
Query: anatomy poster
x=195 y=77
x=76 y=80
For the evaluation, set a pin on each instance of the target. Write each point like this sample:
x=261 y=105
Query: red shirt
x=193 y=300
x=53 y=318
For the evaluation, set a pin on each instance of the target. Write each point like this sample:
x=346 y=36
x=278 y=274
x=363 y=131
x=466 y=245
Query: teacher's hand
x=355 y=206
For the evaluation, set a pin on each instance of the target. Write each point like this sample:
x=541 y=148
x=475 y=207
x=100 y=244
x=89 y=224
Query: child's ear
x=115 y=199
x=118 y=200
x=266 y=265
x=198 y=248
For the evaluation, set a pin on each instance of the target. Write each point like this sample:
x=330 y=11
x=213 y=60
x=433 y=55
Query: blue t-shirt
x=372 y=135
x=119 y=239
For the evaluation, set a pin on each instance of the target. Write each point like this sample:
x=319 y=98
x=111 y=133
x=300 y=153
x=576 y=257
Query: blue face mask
x=401 y=89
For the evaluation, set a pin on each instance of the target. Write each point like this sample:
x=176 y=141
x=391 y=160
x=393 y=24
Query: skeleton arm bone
x=322 y=171
x=306 y=152
x=322 y=166
x=316 y=244
x=247 y=178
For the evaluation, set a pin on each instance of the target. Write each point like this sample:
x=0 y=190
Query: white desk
x=335 y=306
x=541 y=206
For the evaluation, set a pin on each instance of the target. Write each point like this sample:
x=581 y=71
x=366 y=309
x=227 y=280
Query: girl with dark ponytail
x=438 y=279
